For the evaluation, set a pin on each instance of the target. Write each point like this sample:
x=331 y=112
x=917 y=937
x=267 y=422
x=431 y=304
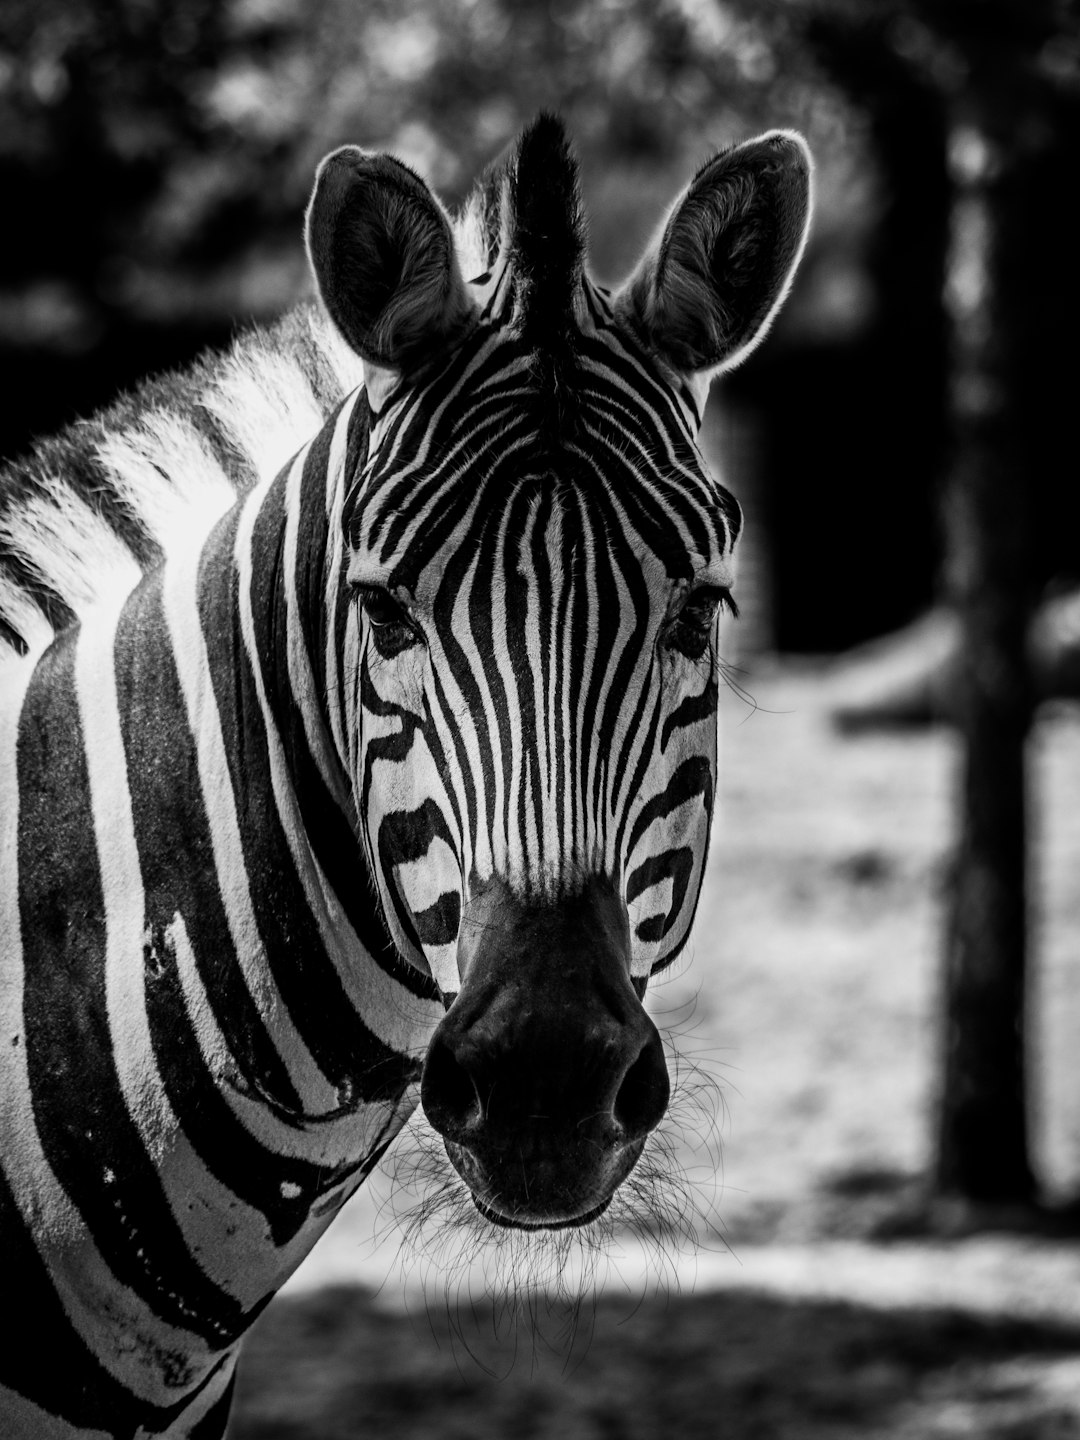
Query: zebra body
x=298 y=830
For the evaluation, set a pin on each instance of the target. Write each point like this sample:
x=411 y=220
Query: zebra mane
x=87 y=512
x=547 y=236
x=526 y=210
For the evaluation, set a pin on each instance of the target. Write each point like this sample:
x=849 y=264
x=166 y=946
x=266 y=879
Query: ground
x=809 y=1001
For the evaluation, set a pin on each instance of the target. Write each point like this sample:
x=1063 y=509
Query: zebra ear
x=707 y=289
x=383 y=256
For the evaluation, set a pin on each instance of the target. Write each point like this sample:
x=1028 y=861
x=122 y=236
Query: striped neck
x=256 y=626
x=277 y=573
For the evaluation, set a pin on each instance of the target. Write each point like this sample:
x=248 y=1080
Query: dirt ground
x=804 y=1021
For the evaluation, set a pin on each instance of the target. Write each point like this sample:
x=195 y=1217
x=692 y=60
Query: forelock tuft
x=547 y=247
x=548 y=232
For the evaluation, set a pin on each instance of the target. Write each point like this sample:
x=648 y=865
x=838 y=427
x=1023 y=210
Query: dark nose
x=546 y=1074
x=611 y=1077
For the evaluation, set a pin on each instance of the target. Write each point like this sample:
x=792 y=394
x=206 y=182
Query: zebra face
x=537 y=557
x=537 y=663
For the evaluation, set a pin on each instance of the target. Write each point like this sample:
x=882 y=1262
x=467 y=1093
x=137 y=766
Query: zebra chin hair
x=543 y=1286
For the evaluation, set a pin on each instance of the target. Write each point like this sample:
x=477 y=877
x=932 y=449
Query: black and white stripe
x=550 y=735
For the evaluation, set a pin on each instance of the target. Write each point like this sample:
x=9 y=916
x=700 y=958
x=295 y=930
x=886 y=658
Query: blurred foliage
x=183 y=133
x=158 y=155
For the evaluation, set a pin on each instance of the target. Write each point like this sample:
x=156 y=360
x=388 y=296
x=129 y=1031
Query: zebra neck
x=275 y=577
x=262 y=619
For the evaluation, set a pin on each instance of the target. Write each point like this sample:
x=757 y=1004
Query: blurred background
x=883 y=994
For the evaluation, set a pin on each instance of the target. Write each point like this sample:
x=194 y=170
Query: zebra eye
x=690 y=629
x=391 y=629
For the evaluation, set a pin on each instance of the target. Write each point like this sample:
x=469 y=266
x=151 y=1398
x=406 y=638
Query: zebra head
x=536 y=558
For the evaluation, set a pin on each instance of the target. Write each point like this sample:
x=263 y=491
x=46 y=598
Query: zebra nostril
x=447 y=1092
x=643 y=1095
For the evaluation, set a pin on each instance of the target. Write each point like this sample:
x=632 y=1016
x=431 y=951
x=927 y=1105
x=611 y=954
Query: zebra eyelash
x=690 y=628
x=719 y=596
x=704 y=604
x=392 y=628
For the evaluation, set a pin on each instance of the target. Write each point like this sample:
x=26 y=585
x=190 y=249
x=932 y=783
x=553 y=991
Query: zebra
x=375 y=776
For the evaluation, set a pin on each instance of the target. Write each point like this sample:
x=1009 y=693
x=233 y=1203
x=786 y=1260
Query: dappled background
x=877 y=1032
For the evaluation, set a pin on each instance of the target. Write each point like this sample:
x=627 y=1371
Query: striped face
x=535 y=621
x=537 y=557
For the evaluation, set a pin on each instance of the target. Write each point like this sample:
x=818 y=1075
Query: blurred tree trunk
x=935 y=81
x=982 y=1152
x=982 y=1142
x=994 y=75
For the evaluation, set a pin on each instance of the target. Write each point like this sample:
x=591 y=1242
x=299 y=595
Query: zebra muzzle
x=546 y=1074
